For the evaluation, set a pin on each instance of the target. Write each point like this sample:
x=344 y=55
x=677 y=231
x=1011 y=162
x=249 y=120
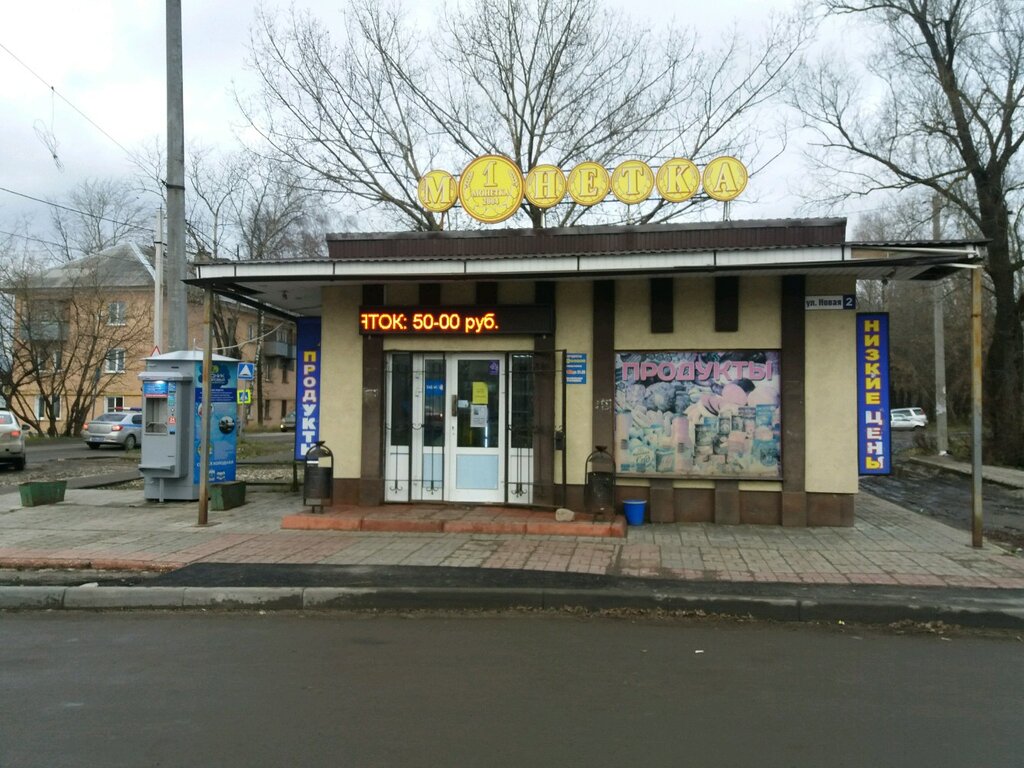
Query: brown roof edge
x=645 y=238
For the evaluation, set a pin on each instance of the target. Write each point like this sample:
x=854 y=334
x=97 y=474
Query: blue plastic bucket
x=635 y=509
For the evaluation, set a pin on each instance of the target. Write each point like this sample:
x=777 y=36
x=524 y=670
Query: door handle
x=455 y=405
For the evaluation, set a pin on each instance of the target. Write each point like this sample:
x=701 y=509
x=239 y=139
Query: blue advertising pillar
x=307 y=385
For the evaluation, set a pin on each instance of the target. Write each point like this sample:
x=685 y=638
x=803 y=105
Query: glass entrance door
x=476 y=428
x=445 y=428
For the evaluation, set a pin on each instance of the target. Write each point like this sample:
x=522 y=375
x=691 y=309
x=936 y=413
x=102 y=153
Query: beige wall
x=341 y=379
x=694 y=316
x=831 y=392
x=574 y=333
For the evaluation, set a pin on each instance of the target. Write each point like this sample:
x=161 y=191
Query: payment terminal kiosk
x=172 y=410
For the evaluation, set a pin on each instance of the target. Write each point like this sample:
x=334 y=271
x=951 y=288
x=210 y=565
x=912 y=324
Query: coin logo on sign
x=724 y=178
x=632 y=181
x=437 y=191
x=678 y=180
x=545 y=185
x=491 y=188
x=588 y=183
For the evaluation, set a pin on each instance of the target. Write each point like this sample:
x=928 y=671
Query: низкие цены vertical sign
x=874 y=453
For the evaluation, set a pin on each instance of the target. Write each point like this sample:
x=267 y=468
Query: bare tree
x=68 y=340
x=98 y=214
x=215 y=181
x=273 y=214
x=946 y=117
x=368 y=112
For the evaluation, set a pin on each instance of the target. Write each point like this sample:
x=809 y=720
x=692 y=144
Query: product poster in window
x=698 y=414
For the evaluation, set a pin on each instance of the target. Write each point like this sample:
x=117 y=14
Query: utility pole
x=158 y=287
x=938 y=294
x=177 y=320
x=977 y=527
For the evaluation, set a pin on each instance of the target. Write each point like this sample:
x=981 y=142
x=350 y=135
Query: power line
x=63 y=98
x=75 y=210
x=40 y=240
x=194 y=231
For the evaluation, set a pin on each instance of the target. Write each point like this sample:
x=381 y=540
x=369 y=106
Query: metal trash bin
x=599 y=489
x=318 y=477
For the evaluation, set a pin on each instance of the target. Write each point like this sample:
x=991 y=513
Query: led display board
x=457 y=321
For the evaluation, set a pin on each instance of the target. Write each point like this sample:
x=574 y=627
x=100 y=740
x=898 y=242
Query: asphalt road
x=60 y=449
x=496 y=690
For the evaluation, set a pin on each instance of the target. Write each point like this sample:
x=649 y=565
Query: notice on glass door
x=478 y=417
x=480 y=393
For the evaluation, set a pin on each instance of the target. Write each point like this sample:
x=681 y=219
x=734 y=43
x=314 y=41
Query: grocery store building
x=720 y=365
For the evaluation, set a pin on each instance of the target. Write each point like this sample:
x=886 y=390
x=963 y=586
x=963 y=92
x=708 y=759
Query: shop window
x=662 y=305
x=433 y=402
x=727 y=304
x=400 y=425
x=521 y=402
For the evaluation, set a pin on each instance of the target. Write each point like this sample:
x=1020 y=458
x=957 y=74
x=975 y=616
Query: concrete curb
x=993 y=614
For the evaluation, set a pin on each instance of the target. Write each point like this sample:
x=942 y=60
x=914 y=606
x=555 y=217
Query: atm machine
x=172 y=393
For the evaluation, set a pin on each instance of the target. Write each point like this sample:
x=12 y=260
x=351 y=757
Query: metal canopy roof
x=777 y=247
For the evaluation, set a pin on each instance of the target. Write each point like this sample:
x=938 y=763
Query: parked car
x=12 y=440
x=120 y=428
x=908 y=418
x=288 y=422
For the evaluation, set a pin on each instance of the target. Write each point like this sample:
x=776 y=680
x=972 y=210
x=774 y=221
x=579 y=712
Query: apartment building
x=81 y=332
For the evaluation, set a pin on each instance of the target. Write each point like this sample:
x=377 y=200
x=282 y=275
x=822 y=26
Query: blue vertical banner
x=223 y=429
x=874 y=447
x=307 y=385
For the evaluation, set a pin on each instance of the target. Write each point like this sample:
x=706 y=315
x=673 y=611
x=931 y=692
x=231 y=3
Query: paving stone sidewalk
x=119 y=529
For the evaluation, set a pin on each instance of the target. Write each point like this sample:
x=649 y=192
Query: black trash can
x=318 y=478
x=599 y=489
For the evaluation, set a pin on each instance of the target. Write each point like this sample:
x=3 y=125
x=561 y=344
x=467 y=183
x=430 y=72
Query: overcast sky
x=107 y=58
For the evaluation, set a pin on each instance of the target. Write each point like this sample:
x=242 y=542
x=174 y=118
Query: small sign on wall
x=843 y=301
x=575 y=367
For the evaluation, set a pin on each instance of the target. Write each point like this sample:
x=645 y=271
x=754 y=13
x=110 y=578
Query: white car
x=12 y=440
x=908 y=418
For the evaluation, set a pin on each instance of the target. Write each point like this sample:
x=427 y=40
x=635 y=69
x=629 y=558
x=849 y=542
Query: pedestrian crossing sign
x=244 y=396
x=246 y=371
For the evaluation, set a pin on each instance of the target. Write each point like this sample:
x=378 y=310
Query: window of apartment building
x=117 y=313
x=48 y=359
x=115 y=361
x=41 y=407
x=115 y=403
x=252 y=331
x=268 y=372
x=285 y=365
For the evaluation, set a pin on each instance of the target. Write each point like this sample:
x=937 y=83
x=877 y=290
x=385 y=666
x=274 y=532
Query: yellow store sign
x=492 y=188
